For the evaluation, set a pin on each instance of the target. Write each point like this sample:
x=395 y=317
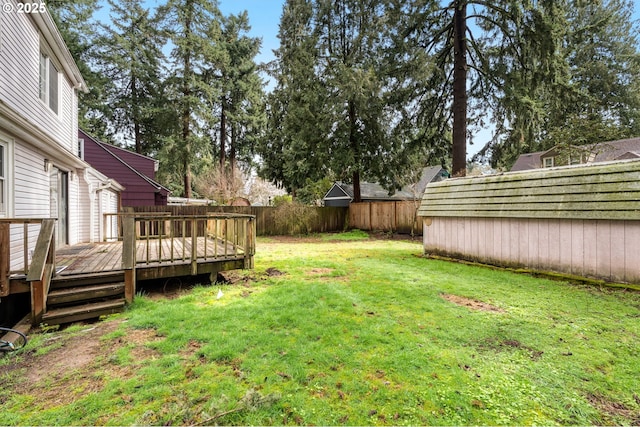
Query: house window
x=49 y=77
x=575 y=160
x=547 y=162
x=81 y=148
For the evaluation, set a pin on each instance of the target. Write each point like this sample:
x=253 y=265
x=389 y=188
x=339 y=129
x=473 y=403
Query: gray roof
x=527 y=161
x=604 y=152
x=374 y=191
x=613 y=150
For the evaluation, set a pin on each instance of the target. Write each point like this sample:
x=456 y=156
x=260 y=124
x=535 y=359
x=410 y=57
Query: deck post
x=194 y=246
x=4 y=259
x=129 y=256
x=249 y=248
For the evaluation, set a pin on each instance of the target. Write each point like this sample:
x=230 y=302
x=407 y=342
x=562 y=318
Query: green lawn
x=355 y=331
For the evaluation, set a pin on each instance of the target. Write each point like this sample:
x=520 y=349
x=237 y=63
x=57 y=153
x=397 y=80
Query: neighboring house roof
x=613 y=150
x=105 y=181
x=140 y=189
x=528 y=161
x=604 y=152
x=143 y=164
x=373 y=191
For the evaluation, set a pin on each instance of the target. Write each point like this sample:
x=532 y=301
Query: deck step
x=64 y=281
x=84 y=293
x=57 y=316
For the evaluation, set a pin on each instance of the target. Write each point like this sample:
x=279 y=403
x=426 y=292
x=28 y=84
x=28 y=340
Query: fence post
x=129 y=256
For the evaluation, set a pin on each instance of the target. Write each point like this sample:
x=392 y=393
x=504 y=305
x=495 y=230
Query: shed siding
x=582 y=220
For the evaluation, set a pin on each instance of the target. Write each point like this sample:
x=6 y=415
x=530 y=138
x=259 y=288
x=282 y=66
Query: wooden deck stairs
x=84 y=296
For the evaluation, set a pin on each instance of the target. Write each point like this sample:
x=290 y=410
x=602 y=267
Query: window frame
x=551 y=161
x=49 y=81
x=6 y=177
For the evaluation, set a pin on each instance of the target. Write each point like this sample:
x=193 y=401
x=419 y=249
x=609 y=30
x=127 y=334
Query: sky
x=264 y=18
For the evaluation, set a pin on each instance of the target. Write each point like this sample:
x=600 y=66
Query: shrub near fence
x=269 y=220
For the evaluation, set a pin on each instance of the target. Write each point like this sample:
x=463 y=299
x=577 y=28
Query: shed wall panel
x=597 y=249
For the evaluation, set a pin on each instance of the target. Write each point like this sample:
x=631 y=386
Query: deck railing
x=160 y=240
x=17 y=243
x=42 y=269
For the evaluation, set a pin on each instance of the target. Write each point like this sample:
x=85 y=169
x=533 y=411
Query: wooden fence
x=270 y=221
x=398 y=217
x=578 y=220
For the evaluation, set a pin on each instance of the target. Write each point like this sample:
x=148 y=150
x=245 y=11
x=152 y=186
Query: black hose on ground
x=9 y=345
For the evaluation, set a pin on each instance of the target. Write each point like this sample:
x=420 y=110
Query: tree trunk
x=232 y=153
x=136 y=115
x=357 y=197
x=223 y=137
x=356 y=152
x=459 y=164
x=186 y=113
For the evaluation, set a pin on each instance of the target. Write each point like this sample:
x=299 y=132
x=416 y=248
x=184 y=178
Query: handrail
x=7 y=260
x=161 y=240
x=41 y=270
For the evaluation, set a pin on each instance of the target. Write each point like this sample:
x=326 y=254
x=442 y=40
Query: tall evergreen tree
x=467 y=78
x=594 y=94
x=292 y=150
x=240 y=96
x=336 y=107
x=192 y=25
x=132 y=58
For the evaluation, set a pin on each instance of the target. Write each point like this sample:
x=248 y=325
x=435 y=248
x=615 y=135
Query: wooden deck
x=145 y=247
x=90 y=258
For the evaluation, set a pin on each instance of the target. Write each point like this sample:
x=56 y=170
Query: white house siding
x=31 y=198
x=74 y=209
x=110 y=205
x=19 y=79
x=84 y=209
x=34 y=131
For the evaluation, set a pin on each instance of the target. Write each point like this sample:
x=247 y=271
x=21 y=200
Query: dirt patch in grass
x=472 y=303
x=496 y=344
x=76 y=365
x=75 y=352
x=614 y=411
x=235 y=277
x=320 y=271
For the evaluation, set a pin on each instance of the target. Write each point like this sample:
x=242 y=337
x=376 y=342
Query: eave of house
x=23 y=129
